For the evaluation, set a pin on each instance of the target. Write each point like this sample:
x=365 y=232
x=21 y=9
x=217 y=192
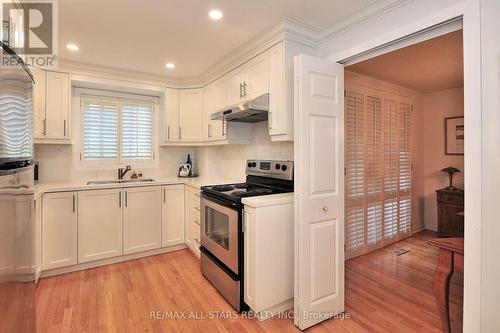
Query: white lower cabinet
x=193 y=219
x=99 y=224
x=172 y=215
x=268 y=257
x=59 y=230
x=142 y=219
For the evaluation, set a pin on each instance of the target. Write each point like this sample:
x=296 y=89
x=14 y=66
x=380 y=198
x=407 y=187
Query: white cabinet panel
x=256 y=77
x=193 y=219
x=142 y=219
x=57 y=106
x=190 y=115
x=172 y=215
x=171 y=116
x=234 y=86
x=276 y=119
x=99 y=224
x=214 y=100
x=59 y=230
x=39 y=102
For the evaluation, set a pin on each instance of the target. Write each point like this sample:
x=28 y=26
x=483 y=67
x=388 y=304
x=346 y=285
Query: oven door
x=219 y=230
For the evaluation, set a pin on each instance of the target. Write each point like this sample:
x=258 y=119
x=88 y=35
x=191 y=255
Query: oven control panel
x=270 y=168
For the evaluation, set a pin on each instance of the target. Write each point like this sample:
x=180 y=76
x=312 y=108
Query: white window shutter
x=100 y=128
x=137 y=130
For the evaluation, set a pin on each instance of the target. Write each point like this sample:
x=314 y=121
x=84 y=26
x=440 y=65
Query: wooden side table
x=449 y=204
x=451 y=259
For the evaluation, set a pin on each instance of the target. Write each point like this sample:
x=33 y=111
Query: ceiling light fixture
x=215 y=14
x=72 y=47
x=170 y=65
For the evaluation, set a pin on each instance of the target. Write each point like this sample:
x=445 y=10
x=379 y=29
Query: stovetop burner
x=252 y=192
x=223 y=188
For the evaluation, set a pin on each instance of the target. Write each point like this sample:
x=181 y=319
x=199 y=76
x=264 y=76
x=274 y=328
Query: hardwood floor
x=384 y=293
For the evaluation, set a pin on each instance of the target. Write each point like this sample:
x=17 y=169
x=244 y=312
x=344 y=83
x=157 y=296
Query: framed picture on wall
x=454 y=135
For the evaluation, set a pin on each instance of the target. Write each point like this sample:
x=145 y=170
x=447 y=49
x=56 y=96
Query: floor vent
x=399 y=252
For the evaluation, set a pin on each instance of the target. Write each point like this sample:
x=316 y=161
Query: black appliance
x=221 y=247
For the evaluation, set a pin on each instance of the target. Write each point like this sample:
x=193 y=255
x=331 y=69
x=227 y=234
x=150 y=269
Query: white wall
x=229 y=161
x=490 y=49
x=437 y=106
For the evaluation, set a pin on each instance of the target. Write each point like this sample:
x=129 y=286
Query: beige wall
x=437 y=106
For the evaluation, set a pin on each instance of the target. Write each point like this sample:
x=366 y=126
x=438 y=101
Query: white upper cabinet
x=51 y=103
x=214 y=100
x=256 y=77
x=234 y=86
x=172 y=215
x=171 y=116
x=276 y=116
x=99 y=224
x=142 y=219
x=190 y=115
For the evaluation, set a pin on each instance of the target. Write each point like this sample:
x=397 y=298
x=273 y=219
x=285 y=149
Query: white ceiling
x=433 y=65
x=143 y=35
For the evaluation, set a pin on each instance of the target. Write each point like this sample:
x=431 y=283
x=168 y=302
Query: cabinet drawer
x=451 y=198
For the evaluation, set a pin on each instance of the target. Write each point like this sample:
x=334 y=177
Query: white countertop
x=197 y=182
x=268 y=200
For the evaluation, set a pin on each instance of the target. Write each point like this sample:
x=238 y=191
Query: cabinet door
x=249 y=255
x=234 y=86
x=142 y=219
x=172 y=215
x=190 y=115
x=57 y=106
x=276 y=120
x=59 y=230
x=214 y=100
x=189 y=215
x=171 y=117
x=99 y=224
x=256 y=77
x=39 y=102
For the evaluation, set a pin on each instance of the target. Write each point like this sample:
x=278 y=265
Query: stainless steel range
x=221 y=224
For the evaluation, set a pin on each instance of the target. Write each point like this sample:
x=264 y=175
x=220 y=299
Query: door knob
x=325 y=209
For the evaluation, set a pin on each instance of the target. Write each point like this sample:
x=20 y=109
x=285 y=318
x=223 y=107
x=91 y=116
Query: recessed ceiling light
x=72 y=47
x=215 y=14
x=170 y=65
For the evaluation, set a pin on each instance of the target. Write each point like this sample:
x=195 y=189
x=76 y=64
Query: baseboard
x=109 y=261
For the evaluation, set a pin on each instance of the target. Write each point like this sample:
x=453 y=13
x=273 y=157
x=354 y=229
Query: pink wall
x=437 y=106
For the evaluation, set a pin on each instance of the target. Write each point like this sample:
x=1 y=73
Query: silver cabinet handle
x=223 y=127
x=270 y=120
x=244 y=89
x=44 y=126
x=164 y=195
x=74 y=203
x=180 y=131
x=64 y=127
x=241 y=90
x=325 y=209
x=120 y=199
x=126 y=199
x=209 y=130
x=168 y=132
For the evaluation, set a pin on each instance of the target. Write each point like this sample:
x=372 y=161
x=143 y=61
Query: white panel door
x=171 y=116
x=57 y=106
x=99 y=224
x=256 y=77
x=39 y=102
x=59 y=230
x=234 y=86
x=172 y=215
x=190 y=115
x=142 y=219
x=319 y=200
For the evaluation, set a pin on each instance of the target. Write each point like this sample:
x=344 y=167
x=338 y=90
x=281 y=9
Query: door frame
x=469 y=11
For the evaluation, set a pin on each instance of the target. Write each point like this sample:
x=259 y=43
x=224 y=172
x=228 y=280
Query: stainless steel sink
x=123 y=181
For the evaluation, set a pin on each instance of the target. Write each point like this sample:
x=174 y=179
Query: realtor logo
x=29 y=27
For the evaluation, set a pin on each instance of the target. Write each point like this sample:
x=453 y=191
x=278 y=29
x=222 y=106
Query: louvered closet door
x=354 y=129
x=373 y=169
x=378 y=175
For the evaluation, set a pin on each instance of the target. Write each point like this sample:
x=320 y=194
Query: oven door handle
x=224 y=203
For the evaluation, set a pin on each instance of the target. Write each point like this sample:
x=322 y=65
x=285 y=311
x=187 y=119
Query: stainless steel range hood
x=249 y=112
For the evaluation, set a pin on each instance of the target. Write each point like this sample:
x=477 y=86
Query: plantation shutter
x=378 y=169
x=354 y=128
x=100 y=128
x=137 y=130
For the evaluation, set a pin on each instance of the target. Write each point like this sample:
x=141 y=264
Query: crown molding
x=372 y=11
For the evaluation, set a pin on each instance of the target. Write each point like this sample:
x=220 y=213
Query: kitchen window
x=116 y=129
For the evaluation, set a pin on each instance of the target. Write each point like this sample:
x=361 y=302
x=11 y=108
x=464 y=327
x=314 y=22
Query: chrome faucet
x=122 y=172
